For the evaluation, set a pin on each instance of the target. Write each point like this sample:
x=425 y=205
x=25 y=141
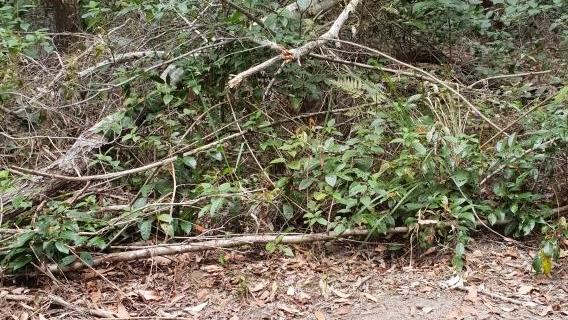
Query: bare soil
x=336 y=280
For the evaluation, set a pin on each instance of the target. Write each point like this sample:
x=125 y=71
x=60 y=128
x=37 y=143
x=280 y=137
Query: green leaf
x=419 y=148
x=331 y=180
x=306 y=183
x=287 y=251
x=165 y=217
x=278 y=160
x=287 y=211
x=537 y=264
x=61 y=247
x=139 y=203
x=67 y=260
x=270 y=247
x=167 y=99
x=22 y=239
x=216 y=205
x=457 y=262
x=460 y=178
x=190 y=162
x=186 y=226
x=304 y=4
x=20 y=262
x=98 y=242
x=167 y=228
x=145 y=229
x=86 y=258
x=491 y=218
x=460 y=249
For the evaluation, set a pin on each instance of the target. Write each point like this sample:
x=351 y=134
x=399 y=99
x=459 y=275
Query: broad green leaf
x=22 y=239
x=331 y=180
x=86 y=258
x=287 y=211
x=165 y=217
x=270 y=247
x=306 y=183
x=67 y=260
x=287 y=251
x=190 y=162
x=145 y=229
x=167 y=228
x=61 y=247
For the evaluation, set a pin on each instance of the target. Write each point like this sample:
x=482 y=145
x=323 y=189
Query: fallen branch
x=74 y=161
x=162 y=250
x=297 y=53
x=529 y=304
x=121 y=58
x=57 y=300
x=504 y=76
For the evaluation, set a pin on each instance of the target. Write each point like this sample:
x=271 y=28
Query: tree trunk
x=67 y=15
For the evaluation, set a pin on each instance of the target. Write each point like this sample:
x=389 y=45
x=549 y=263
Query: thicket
x=442 y=116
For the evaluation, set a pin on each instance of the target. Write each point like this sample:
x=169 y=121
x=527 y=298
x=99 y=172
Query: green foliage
x=405 y=152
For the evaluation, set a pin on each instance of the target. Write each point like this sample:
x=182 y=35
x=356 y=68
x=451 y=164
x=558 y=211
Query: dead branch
x=121 y=58
x=74 y=161
x=297 y=53
x=57 y=300
x=162 y=250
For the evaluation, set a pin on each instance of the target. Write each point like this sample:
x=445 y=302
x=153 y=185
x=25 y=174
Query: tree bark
x=67 y=15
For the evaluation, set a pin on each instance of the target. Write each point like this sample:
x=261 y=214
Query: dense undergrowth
x=318 y=145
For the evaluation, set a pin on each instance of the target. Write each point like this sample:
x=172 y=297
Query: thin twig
x=516 y=75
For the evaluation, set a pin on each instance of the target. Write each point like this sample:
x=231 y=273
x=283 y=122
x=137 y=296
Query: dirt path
x=321 y=282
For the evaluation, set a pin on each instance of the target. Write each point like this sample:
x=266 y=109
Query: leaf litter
x=331 y=281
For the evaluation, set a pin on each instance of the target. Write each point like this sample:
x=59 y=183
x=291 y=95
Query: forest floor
x=335 y=280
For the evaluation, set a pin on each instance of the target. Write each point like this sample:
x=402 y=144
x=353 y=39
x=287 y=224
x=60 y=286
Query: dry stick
x=120 y=58
x=538 y=105
x=368 y=66
x=60 y=302
x=297 y=53
x=118 y=174
x=168 y=160
x=429 y=75
x=94 y=312
x=214 y=244
x=500 y=297
x=516 y=75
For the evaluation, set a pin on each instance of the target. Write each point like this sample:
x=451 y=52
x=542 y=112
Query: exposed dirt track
x=331 y=281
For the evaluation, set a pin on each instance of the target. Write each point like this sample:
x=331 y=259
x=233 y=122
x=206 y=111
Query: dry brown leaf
x=273 y=291
x=342 y=311
x=341 y=294
x=319 y=315
x=121 y=311
x=257 y=287
x=290 y=291
x=148 y=295
x=212 y=268
x=288 y=309
x=370 y=297
x=324 y=288
x=196 y=309
x=525 y=289
x=471 y=295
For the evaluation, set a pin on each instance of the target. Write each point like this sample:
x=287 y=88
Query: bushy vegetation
x=342 y=139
